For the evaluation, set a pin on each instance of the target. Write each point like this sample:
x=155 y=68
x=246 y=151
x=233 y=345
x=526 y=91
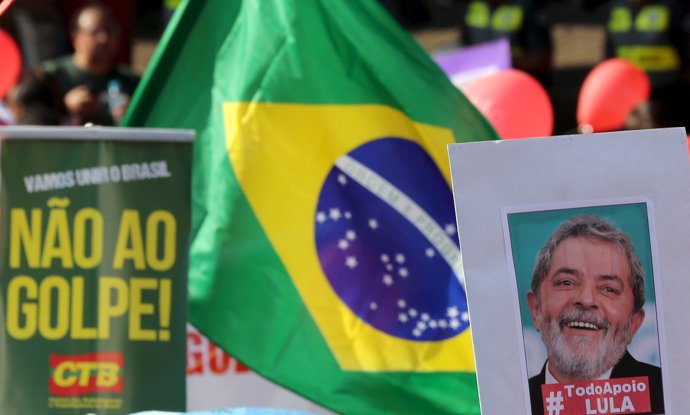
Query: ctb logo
x=83 y=374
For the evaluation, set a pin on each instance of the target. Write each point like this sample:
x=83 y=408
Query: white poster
x=575 y=256
x=216 y=380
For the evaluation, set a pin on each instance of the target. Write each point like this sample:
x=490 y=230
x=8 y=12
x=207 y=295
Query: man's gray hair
x=596 y=229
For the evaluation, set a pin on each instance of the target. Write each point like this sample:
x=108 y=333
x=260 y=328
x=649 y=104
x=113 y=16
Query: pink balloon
x=610 y=91
x=11 y=65
x=515 y=103
x=4 y=5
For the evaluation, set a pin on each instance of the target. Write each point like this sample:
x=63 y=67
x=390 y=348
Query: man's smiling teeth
x=582 y=325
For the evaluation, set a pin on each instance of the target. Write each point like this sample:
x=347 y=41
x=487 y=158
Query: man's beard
x=578 y=359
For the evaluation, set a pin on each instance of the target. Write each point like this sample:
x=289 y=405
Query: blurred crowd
x=75 y=58
x=75 y=53
x=652 y=35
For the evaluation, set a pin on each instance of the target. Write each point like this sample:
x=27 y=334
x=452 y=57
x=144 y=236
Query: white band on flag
x=403 y=204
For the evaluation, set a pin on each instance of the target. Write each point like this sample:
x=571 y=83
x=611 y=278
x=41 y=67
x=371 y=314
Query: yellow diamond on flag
x=355 y=200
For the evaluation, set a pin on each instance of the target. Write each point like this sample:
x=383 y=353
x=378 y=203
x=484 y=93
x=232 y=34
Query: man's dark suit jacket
x=627 y=367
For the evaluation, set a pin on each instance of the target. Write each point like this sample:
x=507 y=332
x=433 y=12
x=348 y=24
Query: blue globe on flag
x=387 y=241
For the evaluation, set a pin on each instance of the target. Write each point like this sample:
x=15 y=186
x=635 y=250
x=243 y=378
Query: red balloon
x=515 y=103
x=11 y=65
x=610 y=91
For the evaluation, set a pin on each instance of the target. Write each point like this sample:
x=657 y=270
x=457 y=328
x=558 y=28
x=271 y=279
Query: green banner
x=93 y=263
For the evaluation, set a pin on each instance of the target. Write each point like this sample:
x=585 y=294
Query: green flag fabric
x=324 y=250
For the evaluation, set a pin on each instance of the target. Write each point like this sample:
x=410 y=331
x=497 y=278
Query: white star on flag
x=321 y=217
x=373 y=223
x=334 y=213
x=351 y=262
x=351 y=235
x=343 y=244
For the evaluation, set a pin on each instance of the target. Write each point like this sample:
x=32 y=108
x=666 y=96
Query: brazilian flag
x=324 y=249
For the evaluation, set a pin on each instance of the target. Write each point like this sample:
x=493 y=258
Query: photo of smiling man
x=586 y=300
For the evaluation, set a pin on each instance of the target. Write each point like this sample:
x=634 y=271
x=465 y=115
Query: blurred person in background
x=88 y=85
x=522 y=22
x=655 y=36
x=31 y=102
